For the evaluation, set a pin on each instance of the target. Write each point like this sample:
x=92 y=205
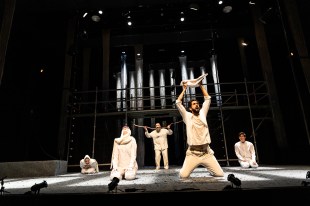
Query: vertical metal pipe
x=124 y=82
x=152 y=89
x=192 y=89
x=183 y=64
x=204 y=81
x=173 y=88
x=139 y=83
x=162 y=88
x=118 y=92
x=216 y=80
x=132 y=90
x=95 y=122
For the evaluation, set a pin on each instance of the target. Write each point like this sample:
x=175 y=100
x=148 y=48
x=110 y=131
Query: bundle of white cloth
x=194 y=82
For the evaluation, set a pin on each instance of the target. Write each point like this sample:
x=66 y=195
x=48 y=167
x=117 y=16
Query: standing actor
x=160 y=142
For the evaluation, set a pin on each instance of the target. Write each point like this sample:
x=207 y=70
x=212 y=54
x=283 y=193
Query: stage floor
x=149 y=182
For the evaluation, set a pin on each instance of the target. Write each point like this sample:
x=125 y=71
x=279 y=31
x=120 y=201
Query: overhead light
x=162 y=12
x=84 y=35
x=227 y=9
x=182 y=18
x=129 y=22
x=95 y=18
x=193 y=6
x=244 y=44
x=139 y=56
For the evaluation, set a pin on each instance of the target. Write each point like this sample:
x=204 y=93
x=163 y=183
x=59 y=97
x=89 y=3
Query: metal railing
x=234 y=95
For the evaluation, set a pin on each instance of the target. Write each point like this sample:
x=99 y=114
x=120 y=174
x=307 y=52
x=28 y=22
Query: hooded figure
x=89 y=165
x=123 y=161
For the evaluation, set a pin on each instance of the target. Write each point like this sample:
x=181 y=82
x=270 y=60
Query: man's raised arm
x=182 y=93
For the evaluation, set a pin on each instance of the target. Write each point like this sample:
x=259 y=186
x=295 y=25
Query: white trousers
x=248 y=164
x=121 y=173
x=158 y=154
x=194 y=159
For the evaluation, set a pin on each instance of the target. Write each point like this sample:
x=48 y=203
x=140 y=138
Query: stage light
x=226 y=6
x=95 y=18
x=182 y=17
x=308 y=175
x=113 y=184
x=37 y=187
x=193 y=6
x=227 y=9
x=234 y=180
x=129 y=22
x=307 y=181
x=2 y=191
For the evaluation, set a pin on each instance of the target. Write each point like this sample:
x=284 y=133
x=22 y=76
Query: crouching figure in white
x=89 y=165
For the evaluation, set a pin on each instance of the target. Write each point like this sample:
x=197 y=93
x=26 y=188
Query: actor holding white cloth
x=198 y=136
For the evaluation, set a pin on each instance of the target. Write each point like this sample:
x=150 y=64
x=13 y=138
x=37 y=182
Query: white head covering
x=124 y=138
x=86 y=156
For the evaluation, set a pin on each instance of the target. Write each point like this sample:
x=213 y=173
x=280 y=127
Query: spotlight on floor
x=113 y=184
x=37 y=187
x=234 y=180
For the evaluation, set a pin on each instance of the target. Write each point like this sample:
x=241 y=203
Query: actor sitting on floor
x=89 y=165
x=245 y=152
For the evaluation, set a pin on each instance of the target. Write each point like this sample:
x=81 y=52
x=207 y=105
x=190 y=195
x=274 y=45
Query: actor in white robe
x=160 y=142
x=89 y=165
x=123 y=161
x=245 y=152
